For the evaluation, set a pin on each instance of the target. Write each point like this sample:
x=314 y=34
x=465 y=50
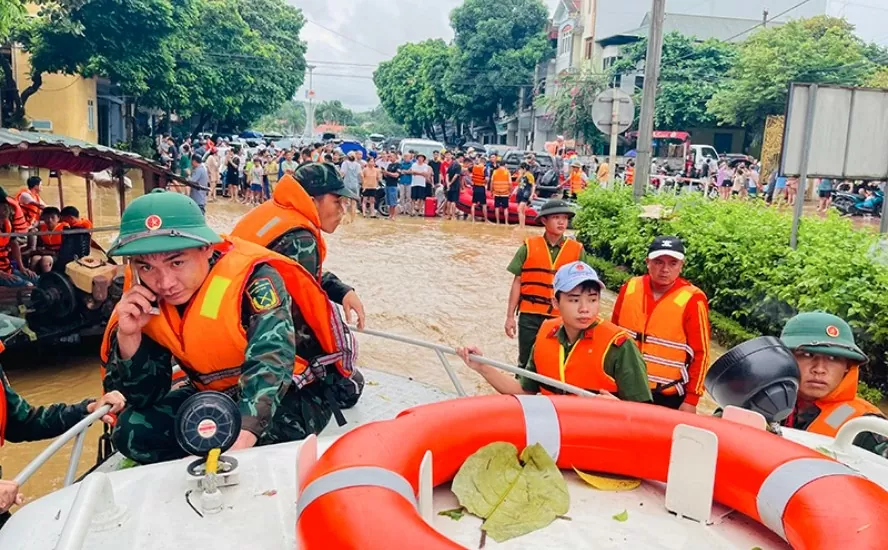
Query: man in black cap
x=669 y=319
x=534 y=267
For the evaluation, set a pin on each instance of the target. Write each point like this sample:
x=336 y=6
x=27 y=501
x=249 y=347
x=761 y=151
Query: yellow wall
x=63 y=99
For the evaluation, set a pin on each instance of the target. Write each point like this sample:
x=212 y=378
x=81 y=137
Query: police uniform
x=822 y=333
x=240 y=334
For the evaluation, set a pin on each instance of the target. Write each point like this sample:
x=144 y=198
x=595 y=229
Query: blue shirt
x=405 y=179
x=780 y=183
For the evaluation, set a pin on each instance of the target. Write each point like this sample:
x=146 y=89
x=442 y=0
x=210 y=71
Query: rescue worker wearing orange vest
x=669 y=319
x=19 y=421
x=10 y=251
x=303 y=205
x=630 y=172
x=235 y=316
x=70 y=218
x=30 y=201
x=501 y=186
x=47 y=245
x=480 y=180
x=578 y=348
x=534 y=266
x=576 y=180
x=829 y=363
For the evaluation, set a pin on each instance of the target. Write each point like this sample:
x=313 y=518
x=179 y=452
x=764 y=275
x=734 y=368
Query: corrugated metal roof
x=64 y=153
x=702 y=27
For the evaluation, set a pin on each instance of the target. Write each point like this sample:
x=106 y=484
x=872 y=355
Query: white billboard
x=848 y=132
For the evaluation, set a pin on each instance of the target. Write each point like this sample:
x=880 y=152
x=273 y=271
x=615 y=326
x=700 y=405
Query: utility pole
x=309 y=115
x=648 y=99
x=765 y=18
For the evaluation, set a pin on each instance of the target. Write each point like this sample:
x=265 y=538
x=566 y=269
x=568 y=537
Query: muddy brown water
x=440 y=281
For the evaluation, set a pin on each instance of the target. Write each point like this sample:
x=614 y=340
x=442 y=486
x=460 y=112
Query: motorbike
x=853 y=204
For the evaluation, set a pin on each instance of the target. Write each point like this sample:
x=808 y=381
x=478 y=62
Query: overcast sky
x=347 y=38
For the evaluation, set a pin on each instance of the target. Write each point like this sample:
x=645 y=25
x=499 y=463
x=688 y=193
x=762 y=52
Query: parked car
x=424 y=146
x=546 y=187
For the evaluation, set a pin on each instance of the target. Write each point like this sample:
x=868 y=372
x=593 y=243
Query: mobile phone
x=154 y=309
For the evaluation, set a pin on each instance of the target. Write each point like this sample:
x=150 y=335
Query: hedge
x=738 y=253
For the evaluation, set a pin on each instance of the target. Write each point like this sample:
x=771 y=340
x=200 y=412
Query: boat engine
x=207 y=425
x=760 y=375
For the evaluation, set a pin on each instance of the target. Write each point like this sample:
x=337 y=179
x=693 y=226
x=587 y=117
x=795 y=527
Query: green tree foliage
x=498 y=43
x=411 y=86
x=571 y=104
x=690 y=75
x=288 y=119
x=820 y=49
x=334 y=112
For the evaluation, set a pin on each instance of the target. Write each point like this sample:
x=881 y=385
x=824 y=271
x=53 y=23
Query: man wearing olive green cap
x=829 y=361
x=233 y=315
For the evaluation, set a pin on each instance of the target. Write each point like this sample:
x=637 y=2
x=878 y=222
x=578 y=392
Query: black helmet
x=760 y=375
x=556 y=206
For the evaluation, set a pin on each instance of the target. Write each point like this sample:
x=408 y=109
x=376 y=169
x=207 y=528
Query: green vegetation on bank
x=738 y=253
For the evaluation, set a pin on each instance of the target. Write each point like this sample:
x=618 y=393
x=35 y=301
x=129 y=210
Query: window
x=90 y=114
x=566 y=40
x=589 y=48
x=609 y=61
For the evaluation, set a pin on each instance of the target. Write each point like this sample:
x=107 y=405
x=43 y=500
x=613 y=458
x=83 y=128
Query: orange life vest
x=3 y=403
x=840 y=406
x=501 y=181
x=660 y=334
x=479 y=178
x=630 y=175
x=538 y=274
x=290 y=208
x=584 y=365
x=19 y=223
x=51 y=242
x=76 y=223
x=5 y=266
x=576 y=182
x=210 y=341
x=32 y=210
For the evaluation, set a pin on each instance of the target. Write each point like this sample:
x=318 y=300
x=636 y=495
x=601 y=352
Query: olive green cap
x=159 y=222
x=322 y=178
x=556 y=206
x=823 y=333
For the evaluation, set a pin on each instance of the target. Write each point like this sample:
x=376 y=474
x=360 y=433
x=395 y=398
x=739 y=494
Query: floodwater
x=439 y=281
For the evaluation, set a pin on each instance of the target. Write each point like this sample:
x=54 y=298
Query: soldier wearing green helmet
x=829 y=363
x=233 y=315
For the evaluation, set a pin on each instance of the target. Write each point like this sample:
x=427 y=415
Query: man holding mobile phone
x=233 y=315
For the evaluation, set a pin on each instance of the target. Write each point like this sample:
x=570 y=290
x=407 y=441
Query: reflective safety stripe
x=213 y=297
x=839 y=416
x=267 y=227
x=358 y=476
x=541 y=423
x=670 y=344
x=786 y=480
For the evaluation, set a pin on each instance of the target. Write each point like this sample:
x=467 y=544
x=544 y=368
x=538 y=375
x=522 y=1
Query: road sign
x=604 y=113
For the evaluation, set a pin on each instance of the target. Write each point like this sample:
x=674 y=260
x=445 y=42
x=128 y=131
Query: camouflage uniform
x=271 y=408
x=300 y=245
x=27 y=423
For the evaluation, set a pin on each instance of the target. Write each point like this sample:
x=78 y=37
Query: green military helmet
x=159 y=222
x=322 y=178
x=819 y=332
x=556 y=206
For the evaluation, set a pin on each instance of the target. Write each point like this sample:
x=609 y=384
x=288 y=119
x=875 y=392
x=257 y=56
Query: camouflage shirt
x=27 y=423
x=301 y=245
x=276 y=332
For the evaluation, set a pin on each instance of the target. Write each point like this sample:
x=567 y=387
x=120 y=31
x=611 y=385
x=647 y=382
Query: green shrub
x=871 y=394
x=738 y=253
x=727 y=331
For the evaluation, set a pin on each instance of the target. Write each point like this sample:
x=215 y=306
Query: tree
x=571 y=104
x=820 y=49
x=333 y=111
x=690 y=75
x=288 y=119
x=498 y=43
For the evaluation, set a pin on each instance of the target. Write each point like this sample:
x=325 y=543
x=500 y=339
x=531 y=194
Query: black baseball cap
x=666 y=245
x=321 y=178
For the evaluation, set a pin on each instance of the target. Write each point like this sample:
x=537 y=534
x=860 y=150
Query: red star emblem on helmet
x=153 y=222
x=832 y=331
x=579 y=267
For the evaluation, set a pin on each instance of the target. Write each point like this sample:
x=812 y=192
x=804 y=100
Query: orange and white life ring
x=361 y=493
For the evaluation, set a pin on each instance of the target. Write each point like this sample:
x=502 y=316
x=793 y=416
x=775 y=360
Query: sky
x=347 y=38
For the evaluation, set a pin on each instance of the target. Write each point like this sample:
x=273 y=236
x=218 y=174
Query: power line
x=349 y=38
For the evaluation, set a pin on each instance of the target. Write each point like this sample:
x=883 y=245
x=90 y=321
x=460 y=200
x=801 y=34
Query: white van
x=424 y=146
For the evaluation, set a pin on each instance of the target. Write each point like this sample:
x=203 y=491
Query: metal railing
x=78 y=431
